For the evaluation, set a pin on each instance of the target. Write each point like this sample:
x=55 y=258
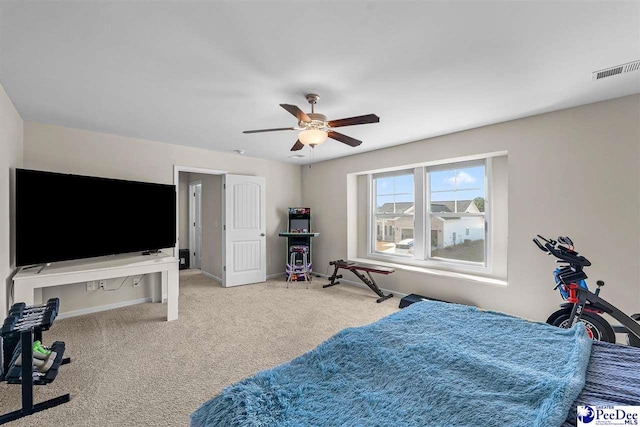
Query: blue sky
x=469 y=183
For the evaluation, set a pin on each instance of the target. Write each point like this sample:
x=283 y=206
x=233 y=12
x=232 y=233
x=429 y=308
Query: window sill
x=434 y=271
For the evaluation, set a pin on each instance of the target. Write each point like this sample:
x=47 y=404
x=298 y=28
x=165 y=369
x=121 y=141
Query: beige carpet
x=131 y=368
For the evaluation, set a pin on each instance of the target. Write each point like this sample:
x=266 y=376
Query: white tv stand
x=28 y=283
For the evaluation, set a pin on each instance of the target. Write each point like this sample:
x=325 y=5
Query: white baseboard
x=362 y=285
x=90 y=310
x=211 y=276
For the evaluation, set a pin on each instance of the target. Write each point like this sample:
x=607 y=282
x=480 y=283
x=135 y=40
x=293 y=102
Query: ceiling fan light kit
x=312 y=137
x=315 y=128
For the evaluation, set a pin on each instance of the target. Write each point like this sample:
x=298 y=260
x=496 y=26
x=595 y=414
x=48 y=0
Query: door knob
x=262 y=234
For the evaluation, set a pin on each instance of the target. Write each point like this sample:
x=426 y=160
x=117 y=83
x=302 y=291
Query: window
x=456 y=195
x=437 y=212
x=394 y=209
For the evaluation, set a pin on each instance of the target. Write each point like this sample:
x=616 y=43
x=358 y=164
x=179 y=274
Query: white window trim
x=421 y=257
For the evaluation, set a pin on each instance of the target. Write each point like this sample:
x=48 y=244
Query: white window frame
x=422 y=220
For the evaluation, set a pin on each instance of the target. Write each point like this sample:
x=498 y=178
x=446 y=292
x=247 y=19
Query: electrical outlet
x=102 y=284
x=136 y=281
x=92 y=286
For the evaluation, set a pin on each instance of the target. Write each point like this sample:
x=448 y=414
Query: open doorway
x=232 y=255
x=195 y=224
x=200 y=222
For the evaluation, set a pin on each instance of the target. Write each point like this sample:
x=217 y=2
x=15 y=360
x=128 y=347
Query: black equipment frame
x=367 y=280
x=26 y=381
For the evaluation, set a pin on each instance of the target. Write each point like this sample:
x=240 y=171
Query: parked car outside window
x=404 y=246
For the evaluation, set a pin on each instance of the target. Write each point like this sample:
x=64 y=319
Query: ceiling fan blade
x=297 y=146
x=344 y=138
x=358 y=120
x=266 y=130
x=300 y=115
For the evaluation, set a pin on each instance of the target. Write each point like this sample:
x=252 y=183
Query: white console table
x=28 y=283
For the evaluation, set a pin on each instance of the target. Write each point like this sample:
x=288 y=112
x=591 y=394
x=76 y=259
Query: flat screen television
x=64 y=217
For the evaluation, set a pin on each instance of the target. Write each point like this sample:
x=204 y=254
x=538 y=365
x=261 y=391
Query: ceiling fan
x=316 y=128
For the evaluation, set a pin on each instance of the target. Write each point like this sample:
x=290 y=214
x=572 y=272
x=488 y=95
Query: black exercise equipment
x=413 y=298
x=583 y=305
x=356 y=269
x=23 y=326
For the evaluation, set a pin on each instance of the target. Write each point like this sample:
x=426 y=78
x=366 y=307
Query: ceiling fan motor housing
x=318 y=121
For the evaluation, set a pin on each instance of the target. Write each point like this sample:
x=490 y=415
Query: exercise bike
x=583 y=305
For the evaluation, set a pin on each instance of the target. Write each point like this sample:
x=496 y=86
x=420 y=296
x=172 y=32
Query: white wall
x=61 y=149
x=11 y=133
x=572 y=172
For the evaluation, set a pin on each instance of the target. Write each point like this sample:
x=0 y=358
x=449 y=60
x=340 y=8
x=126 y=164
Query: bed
x=435 y=364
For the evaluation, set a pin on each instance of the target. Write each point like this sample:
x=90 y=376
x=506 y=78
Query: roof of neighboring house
x=449 y=206
x=445 y=206
x=400 y=207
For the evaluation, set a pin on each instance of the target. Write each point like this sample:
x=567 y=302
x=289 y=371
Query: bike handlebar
x=542 y=248
x=563 y=253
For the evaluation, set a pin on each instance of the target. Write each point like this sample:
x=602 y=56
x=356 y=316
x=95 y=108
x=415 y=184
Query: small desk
x=28 y=283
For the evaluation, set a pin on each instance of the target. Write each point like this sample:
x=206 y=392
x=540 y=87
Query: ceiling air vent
x=618 y=69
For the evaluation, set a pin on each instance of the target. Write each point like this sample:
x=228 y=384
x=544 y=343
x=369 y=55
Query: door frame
x=176 y=181
x=192 y=217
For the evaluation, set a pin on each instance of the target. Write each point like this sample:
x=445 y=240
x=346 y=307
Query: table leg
x=156 y=286
x=173 y=292
x=37 y=296
x=22 y=292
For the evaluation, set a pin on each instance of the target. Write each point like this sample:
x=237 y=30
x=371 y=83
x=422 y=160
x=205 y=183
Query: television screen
x=63 y=217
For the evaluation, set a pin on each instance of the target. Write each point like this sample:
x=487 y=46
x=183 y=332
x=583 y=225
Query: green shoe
x=37 y=346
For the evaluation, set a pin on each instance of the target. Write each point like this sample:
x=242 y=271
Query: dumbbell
x=35 y=315
x=22 y=309
x=13 y=323
x=42 y=365
x=47 y=316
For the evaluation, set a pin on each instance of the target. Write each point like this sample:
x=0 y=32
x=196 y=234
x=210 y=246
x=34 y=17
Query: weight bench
x=356 y=269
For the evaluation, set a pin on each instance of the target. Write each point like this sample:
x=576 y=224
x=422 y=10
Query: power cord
x=115 y=289
x=125 y=279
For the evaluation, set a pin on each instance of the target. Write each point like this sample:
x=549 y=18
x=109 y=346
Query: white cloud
x=461 y=178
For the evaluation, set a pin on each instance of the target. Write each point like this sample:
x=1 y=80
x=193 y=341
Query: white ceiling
x=199 y=73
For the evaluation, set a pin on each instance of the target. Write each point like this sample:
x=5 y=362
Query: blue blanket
x=431 y=364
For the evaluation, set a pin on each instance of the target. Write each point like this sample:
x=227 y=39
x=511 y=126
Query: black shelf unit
x=299 y=235
x=18 y=342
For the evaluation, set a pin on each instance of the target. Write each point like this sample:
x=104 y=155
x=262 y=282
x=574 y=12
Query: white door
x=195 y=224
x=245 y=230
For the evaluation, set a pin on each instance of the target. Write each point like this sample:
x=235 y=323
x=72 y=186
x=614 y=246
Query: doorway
x=195 y=224
x=226 y=254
